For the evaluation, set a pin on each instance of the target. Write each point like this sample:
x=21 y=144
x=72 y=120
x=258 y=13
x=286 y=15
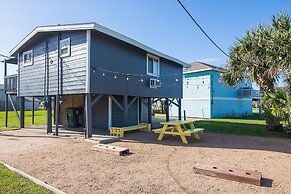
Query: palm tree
x=263 y=56
x=280 y=106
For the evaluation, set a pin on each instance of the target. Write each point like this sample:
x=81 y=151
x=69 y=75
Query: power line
x=202 y=29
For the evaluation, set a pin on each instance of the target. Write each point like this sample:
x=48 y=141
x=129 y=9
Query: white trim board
x=88 y=61
x=218 y=98
x=97 y=27
x=201 y=70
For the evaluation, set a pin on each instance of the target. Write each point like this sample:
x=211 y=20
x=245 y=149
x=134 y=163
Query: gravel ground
x=68 y=162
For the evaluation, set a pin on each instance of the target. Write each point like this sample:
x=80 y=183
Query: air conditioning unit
x=155 y=83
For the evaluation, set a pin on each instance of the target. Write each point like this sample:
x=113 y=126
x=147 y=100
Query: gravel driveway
x=68 y=163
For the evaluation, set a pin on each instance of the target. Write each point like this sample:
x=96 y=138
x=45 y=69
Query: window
x=153 y=65
x=27 y=58
x=65 y=47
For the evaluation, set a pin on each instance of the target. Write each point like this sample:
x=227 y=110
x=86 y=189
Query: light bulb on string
x=115 y=76
x=103 y=74
x=177 y=79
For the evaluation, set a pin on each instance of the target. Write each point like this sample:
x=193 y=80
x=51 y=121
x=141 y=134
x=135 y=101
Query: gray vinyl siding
x=100 y=114
x=74 y=67
x=110 y=54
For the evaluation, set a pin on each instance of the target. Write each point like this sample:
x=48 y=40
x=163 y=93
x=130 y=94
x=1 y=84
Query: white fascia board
x=200 y=70
x=195 y=71
x=97 y=27
x=51 y=29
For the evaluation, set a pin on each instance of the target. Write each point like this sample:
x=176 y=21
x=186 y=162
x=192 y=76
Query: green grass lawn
x=11 y=182
x=251 y=125
x=13 y=123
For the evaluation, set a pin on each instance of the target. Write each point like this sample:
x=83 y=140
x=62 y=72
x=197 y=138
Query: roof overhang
x=201 y=70
x=55 y=28
x=11 y=60
x=97 y=27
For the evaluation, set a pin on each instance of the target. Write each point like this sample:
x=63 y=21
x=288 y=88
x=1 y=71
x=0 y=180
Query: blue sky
x=160 y=24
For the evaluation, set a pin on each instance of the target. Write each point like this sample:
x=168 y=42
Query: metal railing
x=248 y=93
x=10 y=84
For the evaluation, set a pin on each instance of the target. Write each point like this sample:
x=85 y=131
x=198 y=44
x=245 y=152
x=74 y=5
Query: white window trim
x=27 y=63
x=156 y=58
x=69 y=48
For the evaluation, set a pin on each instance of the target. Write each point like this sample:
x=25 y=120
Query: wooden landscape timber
x=229 y=173
x=120 y=151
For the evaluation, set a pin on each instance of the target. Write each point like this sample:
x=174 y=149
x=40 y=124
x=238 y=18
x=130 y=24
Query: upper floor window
x=65 y=47
x=153 y=65
x=27 y=58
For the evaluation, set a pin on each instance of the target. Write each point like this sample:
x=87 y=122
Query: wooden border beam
x=120 y=151
x=229 y=173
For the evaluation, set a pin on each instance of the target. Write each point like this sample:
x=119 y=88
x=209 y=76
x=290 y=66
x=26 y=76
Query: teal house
x=206 y=96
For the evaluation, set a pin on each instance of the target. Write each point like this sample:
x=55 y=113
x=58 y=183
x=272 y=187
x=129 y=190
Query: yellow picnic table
x=180 y=128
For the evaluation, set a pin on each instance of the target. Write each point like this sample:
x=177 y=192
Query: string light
x=168 y=80
x=132 y=74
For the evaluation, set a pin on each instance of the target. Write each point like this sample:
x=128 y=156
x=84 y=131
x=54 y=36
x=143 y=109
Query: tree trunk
x=272 y=122
x=289 y=126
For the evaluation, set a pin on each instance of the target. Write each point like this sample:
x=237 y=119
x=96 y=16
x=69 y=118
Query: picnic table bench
x=180 y=128
x=119 y=131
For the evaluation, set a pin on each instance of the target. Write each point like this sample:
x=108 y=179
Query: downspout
x=47 y=69
x=211 y=95
x=57 y=105
x=18 y=74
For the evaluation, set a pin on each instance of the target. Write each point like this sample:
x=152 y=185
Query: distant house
x=112 y=78
x=205 y=96
x=15 y=99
